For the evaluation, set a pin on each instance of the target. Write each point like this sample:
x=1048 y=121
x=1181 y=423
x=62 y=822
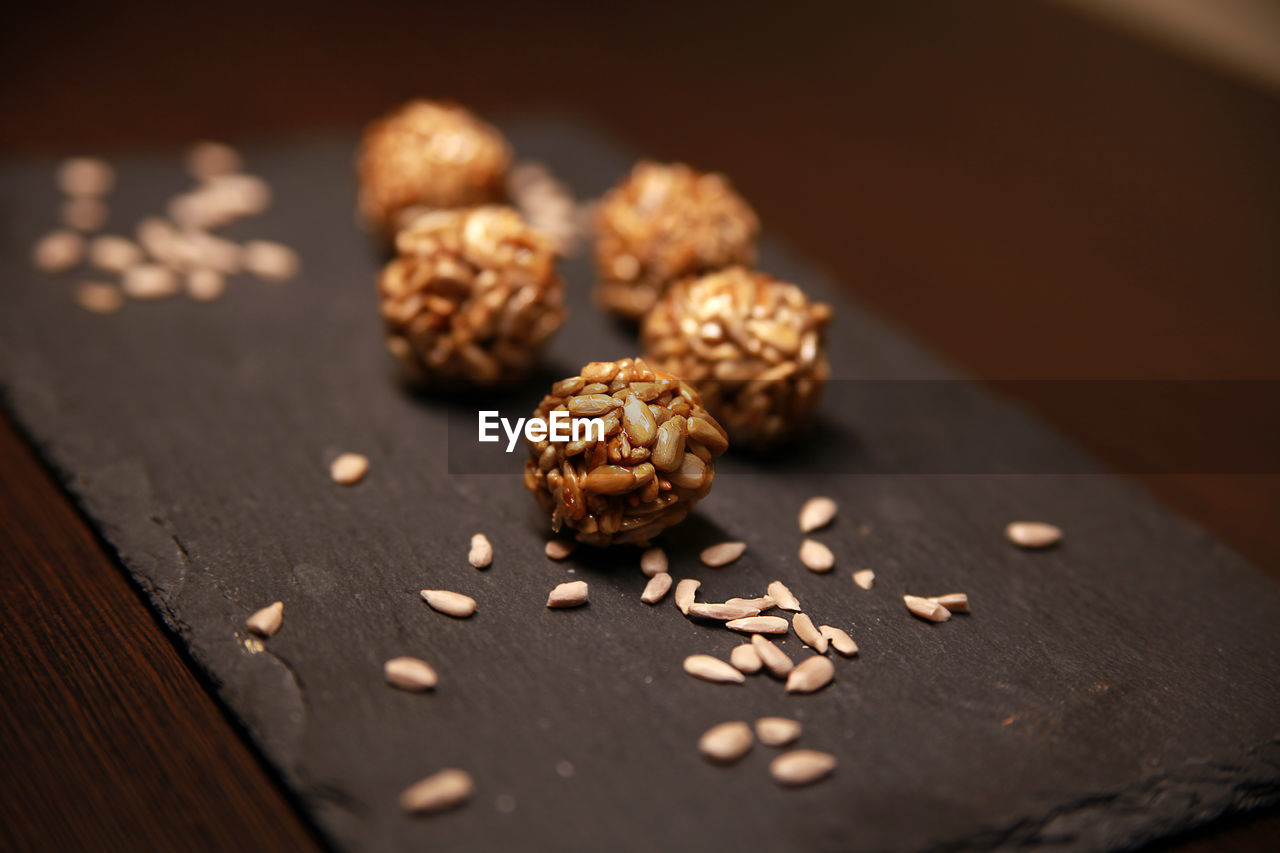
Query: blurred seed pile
x=167 y=255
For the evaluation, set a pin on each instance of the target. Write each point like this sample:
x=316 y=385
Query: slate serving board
x=1115 y=689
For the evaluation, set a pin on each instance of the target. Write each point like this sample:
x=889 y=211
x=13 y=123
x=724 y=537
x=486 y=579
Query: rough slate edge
x=1184 y=797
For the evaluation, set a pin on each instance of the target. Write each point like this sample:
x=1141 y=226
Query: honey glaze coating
x=663 y=223
x=753 y=346
x=470 y=298
x=428 y=155
x=655 y=463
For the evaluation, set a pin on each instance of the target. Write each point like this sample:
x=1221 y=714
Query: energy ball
x=427 y=155
x=654 y=462
x=664 y=223
x=470 y=298
x=751 y=344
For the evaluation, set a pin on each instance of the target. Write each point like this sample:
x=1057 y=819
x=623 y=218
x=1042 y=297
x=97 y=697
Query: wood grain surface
x=108 y=740
x=1006 y=161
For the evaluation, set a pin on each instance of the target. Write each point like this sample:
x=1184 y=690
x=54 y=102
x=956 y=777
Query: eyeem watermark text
x=562 y=427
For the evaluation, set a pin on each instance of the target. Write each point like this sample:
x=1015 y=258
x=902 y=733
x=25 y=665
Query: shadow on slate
x=1115 y=689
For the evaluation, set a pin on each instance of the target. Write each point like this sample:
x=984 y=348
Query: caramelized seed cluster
x=751 y=344
x=426 y=155
x=655 y=463
x=666 y=222
x=471 y=297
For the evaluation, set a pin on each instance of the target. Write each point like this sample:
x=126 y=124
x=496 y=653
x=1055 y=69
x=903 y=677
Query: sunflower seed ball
x=427 y=155
x=470 y=298
x=751 y=344
x=664 y=223
x=655 y=462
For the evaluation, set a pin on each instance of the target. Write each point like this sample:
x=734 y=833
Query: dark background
x=1033 y=194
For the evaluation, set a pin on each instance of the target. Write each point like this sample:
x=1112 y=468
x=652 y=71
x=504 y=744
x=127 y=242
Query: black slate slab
x=1116 y=689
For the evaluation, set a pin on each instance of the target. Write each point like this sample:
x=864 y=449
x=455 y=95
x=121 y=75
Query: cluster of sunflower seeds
x=470 y=298
x=937 y=608
x=654 y=464
x=752 y=344
x=165 y=255
x=546 y=204
x=815 y=514
x=428 y=155
x=661 y=224
x=747 y=615
x=729 y=743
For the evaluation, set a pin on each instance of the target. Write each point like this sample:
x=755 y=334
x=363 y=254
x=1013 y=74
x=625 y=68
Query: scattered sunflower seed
x=726 y=742
x=811 y=675
x=266 y=621
x=559 y=549
x=444 y=790
x=201 y=249
x=449 y=603
x=656 y=588
x=840 y=640
x=926 y=609
x=653 y=561
x=777 y=731
x=1033 y=534
x=210 y=159
x=685 y=591
x=98 y=297
x=58 y=251
x=760 y=603
x=759 y=625
x=816 y=514
x=774 y=658
x=746 y=659
x=722 y=612
x=570 y=594
x=410 y=674
x=709 y=668
x=349 y=468
x=114 y=253
x=801 y=767
x=723 y=554
x=808 y=634
x=782 y=596
x=85 y=176
x=84 y=214
x=205 y=285
x=956 y=602
x=272 y=261
x=864 y=578
x=816 y=557
x=149 y=281
x=481 y=554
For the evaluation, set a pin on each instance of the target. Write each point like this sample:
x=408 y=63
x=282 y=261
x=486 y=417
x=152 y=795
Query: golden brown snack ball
x=427 y=155
x=664 y=223
x=655 y=462
x=470 y=298
x=753 y=346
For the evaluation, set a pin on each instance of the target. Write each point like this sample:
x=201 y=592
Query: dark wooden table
x=1034 y=195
